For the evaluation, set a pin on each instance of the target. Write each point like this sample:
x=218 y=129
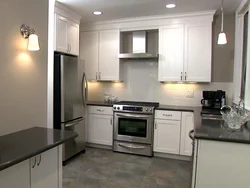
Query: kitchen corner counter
x=19 y=146
x=99 y=103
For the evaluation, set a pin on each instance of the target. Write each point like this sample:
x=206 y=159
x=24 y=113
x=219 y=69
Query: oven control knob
x=150 y=109
x=118 y=108
x=146 y=109
x=114 y=108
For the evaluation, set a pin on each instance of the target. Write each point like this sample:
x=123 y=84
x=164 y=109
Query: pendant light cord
x=222 y=16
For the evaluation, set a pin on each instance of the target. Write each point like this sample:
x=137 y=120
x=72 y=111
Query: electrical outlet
x=190 y=94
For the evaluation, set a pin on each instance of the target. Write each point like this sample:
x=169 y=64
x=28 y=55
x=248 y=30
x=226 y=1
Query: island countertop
x=22 y=145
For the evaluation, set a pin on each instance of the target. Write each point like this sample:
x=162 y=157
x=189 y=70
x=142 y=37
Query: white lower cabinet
x=167 y=136
x=187 y=124
x=38 y=172
x=44 y=169
x=16 y=176
x=100 y=129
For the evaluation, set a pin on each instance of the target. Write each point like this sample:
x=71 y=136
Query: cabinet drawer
x=171 y=115
x=100 y=110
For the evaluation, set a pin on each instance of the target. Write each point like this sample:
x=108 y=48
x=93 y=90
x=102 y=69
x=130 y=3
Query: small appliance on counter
x=212 y=102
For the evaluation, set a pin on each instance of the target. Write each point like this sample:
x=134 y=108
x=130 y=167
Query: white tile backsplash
x=141 y=84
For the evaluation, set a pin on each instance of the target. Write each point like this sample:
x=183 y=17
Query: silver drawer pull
x=169 y=115
x=99 y=110
x=132 y=146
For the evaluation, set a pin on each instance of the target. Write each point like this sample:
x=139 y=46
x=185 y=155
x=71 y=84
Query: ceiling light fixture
x=97 y=13
x=222 y=38
x=170 y=5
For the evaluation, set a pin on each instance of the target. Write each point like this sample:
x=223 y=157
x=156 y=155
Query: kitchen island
x=220 y=155
x=32 y=158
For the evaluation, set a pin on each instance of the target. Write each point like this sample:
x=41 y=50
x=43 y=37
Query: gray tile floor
x=106 y=169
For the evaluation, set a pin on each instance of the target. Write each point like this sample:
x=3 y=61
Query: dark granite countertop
x=19 y=146
x=205 y=129
x=99 y=103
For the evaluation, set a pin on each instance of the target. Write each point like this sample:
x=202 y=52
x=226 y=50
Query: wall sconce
x=27 y=32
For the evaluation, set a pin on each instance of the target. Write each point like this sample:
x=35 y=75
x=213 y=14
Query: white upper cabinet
x=61 y=34
x=198 y=54
x=66 y=30
x=171 y=47
x=73 y=38
x=187 y=124
x=99 y=50
x=185 y=53
x=67 y=35
x=109 y=63
x=88 y=53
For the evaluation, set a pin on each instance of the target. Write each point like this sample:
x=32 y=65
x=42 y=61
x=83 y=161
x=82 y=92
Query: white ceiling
x=117 y=9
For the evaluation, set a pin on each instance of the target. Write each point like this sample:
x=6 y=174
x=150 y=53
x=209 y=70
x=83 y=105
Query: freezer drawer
x=74 y=146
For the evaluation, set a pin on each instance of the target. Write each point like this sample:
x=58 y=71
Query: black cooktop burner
x=134 y=103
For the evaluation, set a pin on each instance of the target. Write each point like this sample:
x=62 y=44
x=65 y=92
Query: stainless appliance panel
x=134 y=137
x=74 y=146
x=71 y=103
x=133 y=148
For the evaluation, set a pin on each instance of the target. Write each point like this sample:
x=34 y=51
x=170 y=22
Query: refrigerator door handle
x=86 y=89
x=83 y=90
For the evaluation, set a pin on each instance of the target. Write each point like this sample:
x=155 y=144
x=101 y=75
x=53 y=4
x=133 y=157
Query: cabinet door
x=100 y=129
x=198 y=53
x=89 y=53
x=187 y=124
x=171 y=48
x=61 y=34
x=109 y=66
x=73 y=38
x=16 y=176
x=45 y=171
x=167 y=136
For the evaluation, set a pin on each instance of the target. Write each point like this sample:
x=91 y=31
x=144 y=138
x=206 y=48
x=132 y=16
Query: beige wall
x=23 y=74
x=223 y=56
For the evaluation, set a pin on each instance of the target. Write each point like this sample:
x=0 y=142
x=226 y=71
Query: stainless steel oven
x=133 y=127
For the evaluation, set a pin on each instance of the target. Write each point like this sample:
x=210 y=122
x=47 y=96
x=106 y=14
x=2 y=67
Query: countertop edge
x=107 y=104
x=222 y=140
x=32 y=154
x=172 y=109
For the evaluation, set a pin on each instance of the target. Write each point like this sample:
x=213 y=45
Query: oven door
x=133 y=127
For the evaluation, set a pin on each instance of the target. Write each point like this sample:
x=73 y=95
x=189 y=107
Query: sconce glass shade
x=222 y=39
x=33 y=43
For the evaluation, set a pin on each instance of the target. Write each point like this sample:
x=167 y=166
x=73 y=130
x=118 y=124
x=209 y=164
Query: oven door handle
x=132 y=116
x=131 y=146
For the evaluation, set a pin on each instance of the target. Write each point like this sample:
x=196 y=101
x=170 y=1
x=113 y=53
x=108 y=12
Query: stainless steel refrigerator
x=70 y=98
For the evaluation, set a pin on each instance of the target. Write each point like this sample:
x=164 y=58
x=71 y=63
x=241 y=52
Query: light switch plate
x=190 y=94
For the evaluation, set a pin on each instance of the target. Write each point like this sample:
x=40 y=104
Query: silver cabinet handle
x=185 y=76
x=99 y=75
x=40 y=159
x=69 y=47
x=96 y=76
x=168 y=115
x=181 y=75
x=33 y=166
x=111 y=121
x=100 y=110
x=132 y=146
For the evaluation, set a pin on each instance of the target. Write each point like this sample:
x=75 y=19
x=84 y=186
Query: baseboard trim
x=99 y=146
x=172 y=156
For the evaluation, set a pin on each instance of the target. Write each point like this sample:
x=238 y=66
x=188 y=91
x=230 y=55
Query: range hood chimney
x=139 y=47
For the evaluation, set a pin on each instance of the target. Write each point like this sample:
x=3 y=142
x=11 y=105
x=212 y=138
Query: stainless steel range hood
x=139 y=48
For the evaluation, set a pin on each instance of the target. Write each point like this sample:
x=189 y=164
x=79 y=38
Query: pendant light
x=222 y=38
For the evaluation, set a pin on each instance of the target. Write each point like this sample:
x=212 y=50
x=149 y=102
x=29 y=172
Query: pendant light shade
x=222 y=38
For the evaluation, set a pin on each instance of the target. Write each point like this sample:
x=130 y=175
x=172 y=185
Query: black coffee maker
x=213 y=99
